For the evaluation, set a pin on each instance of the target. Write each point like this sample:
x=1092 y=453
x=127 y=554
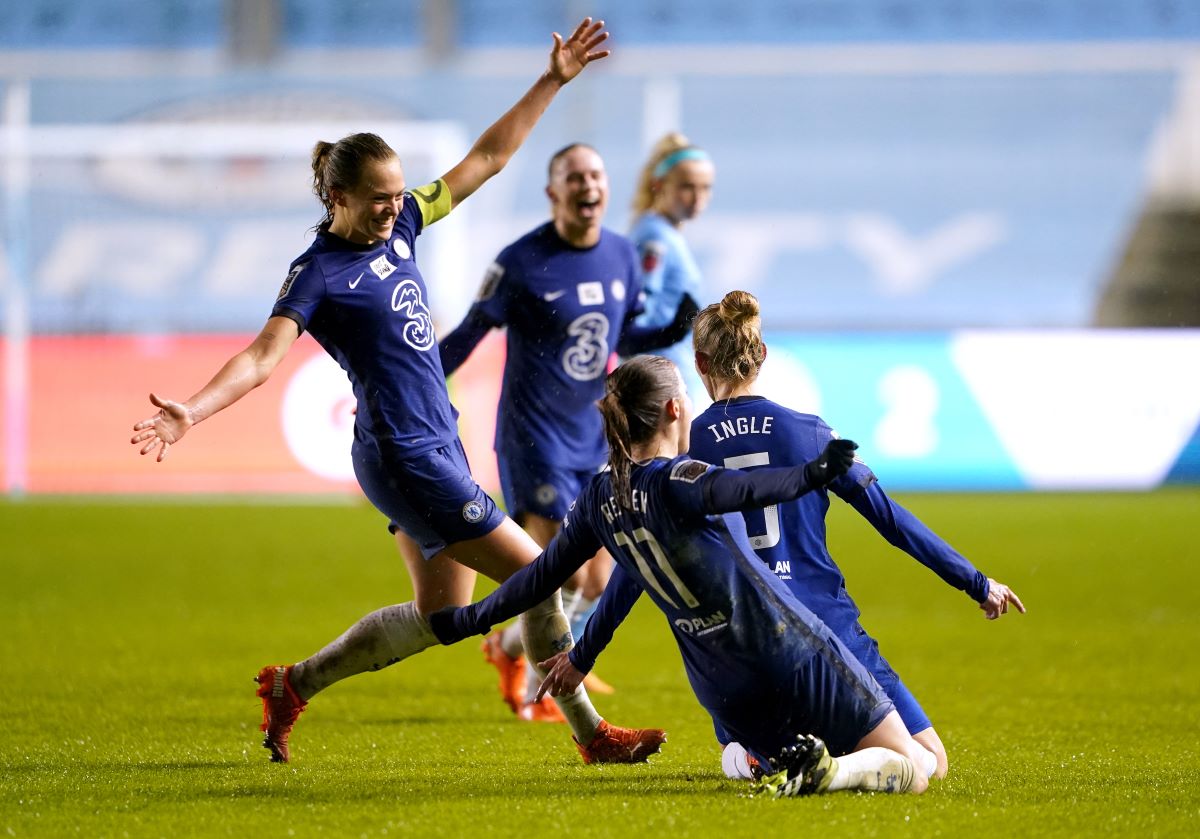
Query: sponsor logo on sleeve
x=291 y=278
x=688 y=471
x=591 y=294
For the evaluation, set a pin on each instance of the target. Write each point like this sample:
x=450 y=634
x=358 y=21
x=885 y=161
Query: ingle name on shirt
x=725 y=429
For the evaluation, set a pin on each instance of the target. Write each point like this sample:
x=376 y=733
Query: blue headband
x=668 y=163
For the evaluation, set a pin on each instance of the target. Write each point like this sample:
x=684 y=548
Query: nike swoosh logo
x=432 y=196
x=551 y=296
x=356 y=279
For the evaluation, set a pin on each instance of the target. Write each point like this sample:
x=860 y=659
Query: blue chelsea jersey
x=758 y=659
x=733 y=620
x=564 y=309
x=752 y=431
x=790 y=538
x=368 y=307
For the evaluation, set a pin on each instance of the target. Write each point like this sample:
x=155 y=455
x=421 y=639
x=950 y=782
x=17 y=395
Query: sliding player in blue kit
x=747 y=431
x=568 y=293
x=358 y=291
x=766 y=669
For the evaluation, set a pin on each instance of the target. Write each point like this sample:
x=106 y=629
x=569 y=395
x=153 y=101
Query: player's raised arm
x=239 y=375
x=500 y=142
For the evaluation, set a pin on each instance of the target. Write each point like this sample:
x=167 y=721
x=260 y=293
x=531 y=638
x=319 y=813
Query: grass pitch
x=129 y=633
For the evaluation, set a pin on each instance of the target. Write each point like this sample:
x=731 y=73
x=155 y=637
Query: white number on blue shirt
x=771 y=514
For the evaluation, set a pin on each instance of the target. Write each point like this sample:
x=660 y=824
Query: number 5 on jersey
x=771 y=514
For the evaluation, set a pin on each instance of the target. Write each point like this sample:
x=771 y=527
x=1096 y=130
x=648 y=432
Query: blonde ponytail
x=643 y=195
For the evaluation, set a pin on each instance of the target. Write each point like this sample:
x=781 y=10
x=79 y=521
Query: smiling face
x=578 y=192
x=684 y=192
x=366 y=213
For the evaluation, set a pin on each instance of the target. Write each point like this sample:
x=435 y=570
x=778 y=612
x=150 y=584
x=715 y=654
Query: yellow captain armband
x=434 y=201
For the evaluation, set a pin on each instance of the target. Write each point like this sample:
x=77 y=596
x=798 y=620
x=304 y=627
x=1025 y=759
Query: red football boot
x=612 y=744
x=512 y=671
x=281 y=707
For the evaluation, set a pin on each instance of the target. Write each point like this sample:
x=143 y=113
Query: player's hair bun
x=739 y=307
x=730 y=334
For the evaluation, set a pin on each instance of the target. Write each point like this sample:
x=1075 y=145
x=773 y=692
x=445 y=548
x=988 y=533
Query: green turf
x=129 y=633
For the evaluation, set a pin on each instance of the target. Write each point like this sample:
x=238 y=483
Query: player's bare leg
x=541 y=529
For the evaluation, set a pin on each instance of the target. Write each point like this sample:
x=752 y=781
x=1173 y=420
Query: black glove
x=442 y=624
x=636 y=340
x=834 y=462
x=685 y=315
x=681 y=325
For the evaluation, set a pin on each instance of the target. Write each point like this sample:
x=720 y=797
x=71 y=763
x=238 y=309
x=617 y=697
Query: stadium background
x=974 y=225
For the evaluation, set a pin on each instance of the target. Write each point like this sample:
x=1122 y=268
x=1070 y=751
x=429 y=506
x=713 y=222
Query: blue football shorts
x=830 y=695
x=537 y=488
x=866 y=650
x=431 y=497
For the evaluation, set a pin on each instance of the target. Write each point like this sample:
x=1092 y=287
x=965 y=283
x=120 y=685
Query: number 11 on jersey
x=647 y=538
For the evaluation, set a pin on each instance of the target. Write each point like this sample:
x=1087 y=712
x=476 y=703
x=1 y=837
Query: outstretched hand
x=831 y=464
x=561 y=677
x=568 y=59
x=164 y=428
x=999 y=596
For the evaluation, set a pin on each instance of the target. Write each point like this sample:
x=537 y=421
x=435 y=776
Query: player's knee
x=943 y=765
x=929 y=740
